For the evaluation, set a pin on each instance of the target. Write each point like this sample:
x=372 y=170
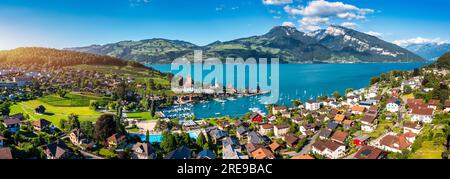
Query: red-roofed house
x=422 y=114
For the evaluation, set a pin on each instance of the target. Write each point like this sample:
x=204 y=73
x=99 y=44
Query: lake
x=297 y=81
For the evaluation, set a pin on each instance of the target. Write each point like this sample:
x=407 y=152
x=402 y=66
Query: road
x=307 y=147
x=89 y=155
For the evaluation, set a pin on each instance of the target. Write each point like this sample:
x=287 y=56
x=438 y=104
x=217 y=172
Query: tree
x=416 y=72
x=4 y=108
x=168 y=142
x=147 y=136
x=87 y=128
x=296 y=103
x=348 y=90
x=104 y=127
x=336 y=94
x=62 y=93
x=73 y=122
x=94 y=105
x=201 y=140
x=374 y=80
x=407 y=89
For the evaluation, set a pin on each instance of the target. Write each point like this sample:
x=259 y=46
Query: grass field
x=140 y=115
x=54 y=113
x=380 y=130
x=71 y=100
x=428 y=151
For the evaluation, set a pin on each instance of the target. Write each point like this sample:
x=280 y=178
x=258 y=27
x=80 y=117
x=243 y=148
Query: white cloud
x=419 y=40
x=288 y=24
x=276 y=2
x=312 y=23
x=135 y=3
x=376 y=34
x=350 y=25
x=321 y=10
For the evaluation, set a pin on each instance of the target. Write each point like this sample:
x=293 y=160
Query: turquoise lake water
x=299 y=81
x=156 y=138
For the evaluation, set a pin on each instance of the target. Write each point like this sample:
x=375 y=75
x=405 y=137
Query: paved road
x=90 y=156
x=307 y=147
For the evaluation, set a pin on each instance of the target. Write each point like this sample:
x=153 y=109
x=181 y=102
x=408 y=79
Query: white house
x=312 y=105
x=396 y=143
x=414 y=127
x=392 y=105
x=369 y=123
x=280 y=130
x=329 y=149
x=424 y=115
x=265 y=128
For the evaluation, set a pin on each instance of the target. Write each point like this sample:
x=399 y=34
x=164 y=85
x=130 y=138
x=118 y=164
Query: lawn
x=140 y=115
x=54 y=113
x=428 y=151
x=71 y=100
x=380 y=130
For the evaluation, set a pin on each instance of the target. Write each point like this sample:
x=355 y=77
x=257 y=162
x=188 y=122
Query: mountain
x=35 y=56
x=335 y=44
x=429 y=51
x=442 y=62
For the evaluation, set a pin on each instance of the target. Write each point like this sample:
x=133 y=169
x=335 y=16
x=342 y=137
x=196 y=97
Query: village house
x=369 y=122
x=422 y=114
x=264 y=129
x=254 y=138
x=250 y=147
x=256 y=118
x=5 y=154
x=274 y=146
x=263 y=153
x=352 y=100
x=360 y=140
x=433 y=104
x=286 y=114
x=312 y=105
x=57 y=150
x=393 y=105
x=447 y=105
x=347 y=124
x=217 y=135
x=23 y=81
x=116 y=140
x=369 y=152
x=41 y=124
x=325 y=133
x=143 y=151
x=339 y=136
x=303 y=157
x=357 y=110
x=396 y=143
x=339 y=118
x=223 y=125
x=182 y=152
x=280 y=130
x=78 y=138
x=206 y=154
x=308 y=129
x=367 y=103
x=278 y=109
x=414 y=127
x=332 y=125
x=241 y=132
x=231 y=149
x=291 y=140
x=329 y=149
x=12 y=124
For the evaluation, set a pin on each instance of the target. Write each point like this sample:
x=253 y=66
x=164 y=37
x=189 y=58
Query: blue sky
x=69 y=23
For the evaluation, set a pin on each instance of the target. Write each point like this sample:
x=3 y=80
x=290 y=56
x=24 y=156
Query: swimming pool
x=156 y=138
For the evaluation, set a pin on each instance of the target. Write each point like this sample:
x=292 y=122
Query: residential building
x=329 y=149
x=280 y=130
x=182 y=152
x=143 y=151
x=369 y=152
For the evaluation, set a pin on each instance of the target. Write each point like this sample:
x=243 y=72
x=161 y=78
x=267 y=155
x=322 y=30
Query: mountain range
x=334 y=44
x=429 y=51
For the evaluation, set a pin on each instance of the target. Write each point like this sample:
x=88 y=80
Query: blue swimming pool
x=156 y=138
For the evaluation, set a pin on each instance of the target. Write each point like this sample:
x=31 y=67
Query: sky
x=73 y=23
